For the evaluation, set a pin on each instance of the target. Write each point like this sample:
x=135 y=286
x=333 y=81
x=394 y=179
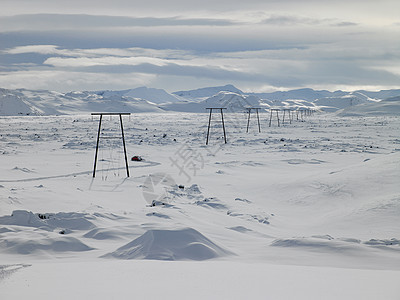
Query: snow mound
x=70 y=221
x=180 y=244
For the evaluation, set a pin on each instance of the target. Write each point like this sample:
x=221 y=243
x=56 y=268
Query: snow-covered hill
x=233 y=102
x=331 y=104
x=204 y=93
x=303 y=94
x=150 y=94
x=383 y=94
x=106 y=102
x=390 y=106
x=12 y=105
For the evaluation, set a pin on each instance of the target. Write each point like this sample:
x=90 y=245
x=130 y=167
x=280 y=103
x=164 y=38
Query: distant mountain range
x=144 y=99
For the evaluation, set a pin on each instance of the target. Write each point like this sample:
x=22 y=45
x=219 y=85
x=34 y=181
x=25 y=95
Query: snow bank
x=179 y=244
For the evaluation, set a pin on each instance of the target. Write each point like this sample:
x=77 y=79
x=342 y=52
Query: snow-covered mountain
x=383 y=94
x=109 y=102
x=303 y=94
x=313 y=95
x=143 y=99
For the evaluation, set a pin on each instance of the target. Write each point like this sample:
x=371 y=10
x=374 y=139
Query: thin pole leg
x=258 y=119
x=270 y=119
x=248 y=121
x=277 y=116
x=123 y=141
x=209 y=123
x=97 y=147
x=223 y=124
x=283 y=121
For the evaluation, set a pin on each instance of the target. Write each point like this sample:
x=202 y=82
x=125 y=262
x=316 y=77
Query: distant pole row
x=287 y=114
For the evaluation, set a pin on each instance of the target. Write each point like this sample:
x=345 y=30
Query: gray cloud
x=290 y=20
x=130 y=7
x=345 y=24
x=183 y=38
x=82 y=21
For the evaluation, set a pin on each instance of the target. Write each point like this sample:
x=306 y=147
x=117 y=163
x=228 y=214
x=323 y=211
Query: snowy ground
x=308 y=210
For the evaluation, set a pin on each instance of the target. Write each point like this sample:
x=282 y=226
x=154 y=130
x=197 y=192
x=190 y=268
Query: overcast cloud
x=255 y=45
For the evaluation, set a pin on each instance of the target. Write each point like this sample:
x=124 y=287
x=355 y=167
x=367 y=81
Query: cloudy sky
x=257 y=45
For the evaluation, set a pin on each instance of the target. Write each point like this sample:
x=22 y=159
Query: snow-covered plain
x=308 y=210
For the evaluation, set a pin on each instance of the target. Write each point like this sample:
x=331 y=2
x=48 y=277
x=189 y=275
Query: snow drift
x=46 y=221
x=43 y=244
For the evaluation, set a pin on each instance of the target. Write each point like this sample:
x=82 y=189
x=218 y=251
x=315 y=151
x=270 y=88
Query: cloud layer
x=253 y=48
